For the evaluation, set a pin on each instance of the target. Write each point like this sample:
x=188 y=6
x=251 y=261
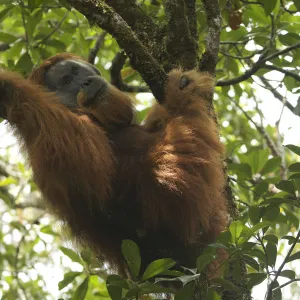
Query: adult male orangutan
x=159 y=184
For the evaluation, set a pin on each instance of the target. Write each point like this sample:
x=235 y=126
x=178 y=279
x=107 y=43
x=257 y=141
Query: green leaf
x=212 y=294
x=115 y=284
x=204 y=260
x=82 y=289
x=68 y=278
x=274 y=201
x=271 y=165
x=294 y=167
x=7 y=181
x=295 y=176
x=291 y=239
x=131 y=252
x=236 y=269
x=294 y=149
x=251 y=262
x=34 y=4
x=297 y=4
x=257 y=159
x=48 y=230
x=269 y=6
x=271 y=238
x=116 y=280
x=71 y=254
x=86 y=255
x=260 y=189
x=142 y=114
x=288 y=274
x=57 y=44
x=255 y=213
x=294 y=257
x=4 y=12
x=24 y=64
x=32 y=22
x=259 y=254
x=187 y=292
x=248 y=232
x=236 y=229
x=157 y=267
x=259 y=226
x=289 y=39
x=65 y=4
x=232 y=65
x=227 y=285
x=7 y=38
x=296 y=183
x=271 y=213
x=243 y=170
x=225 y=237
x=287 y=186
x=271 y=251
x=255 y=279
x=292 y=219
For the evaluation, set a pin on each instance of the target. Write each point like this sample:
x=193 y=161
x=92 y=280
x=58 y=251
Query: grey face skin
x=68 y=77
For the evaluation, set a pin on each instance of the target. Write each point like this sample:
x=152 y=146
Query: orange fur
x=159 y=184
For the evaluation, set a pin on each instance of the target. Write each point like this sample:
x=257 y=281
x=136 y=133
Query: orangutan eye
x=66 y=79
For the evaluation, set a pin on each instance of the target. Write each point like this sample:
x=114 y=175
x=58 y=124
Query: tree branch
x=101 y=14
x=285 y=284
x=56 y=28
x=94 y=51
x=276 y=94
x=30 y=205
x=256 y=66
x=275 y=152
x=139 y=22
x=192 y=18
x=240 y=57
x=116 y=78
x=180 y=44
x=209 y=59
x=286 y=9
x=286 y=72
x=234 y=42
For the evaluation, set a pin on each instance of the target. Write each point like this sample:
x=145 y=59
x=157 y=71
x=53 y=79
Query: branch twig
x=286 y=72
x=262 y=131
x=116 y=78
x=256 y=66
x=58 y=25
x=285 y=284
x=98 y=45
x=286 y=9
x=269 y=294
x=276 y=94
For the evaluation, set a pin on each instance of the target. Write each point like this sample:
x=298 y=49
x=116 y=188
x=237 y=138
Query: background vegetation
x=257 y=63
